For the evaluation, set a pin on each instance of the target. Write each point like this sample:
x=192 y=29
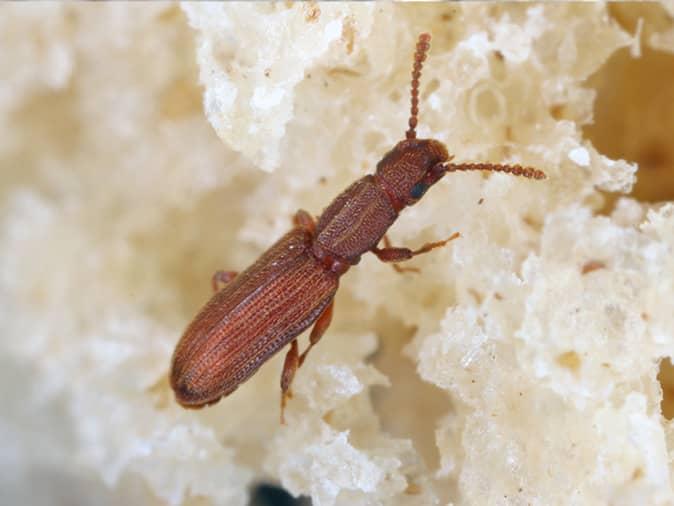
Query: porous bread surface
x=147 y=145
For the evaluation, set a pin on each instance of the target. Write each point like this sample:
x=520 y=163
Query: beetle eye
x=418 y=191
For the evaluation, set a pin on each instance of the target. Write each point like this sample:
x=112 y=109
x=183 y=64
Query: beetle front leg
x=392 y=254
x=321 y=325
x=290 y=366
x=304 y=220
x=223 y=277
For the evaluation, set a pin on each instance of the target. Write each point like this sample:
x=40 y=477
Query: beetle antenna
x=423 y=45
x=515 y=170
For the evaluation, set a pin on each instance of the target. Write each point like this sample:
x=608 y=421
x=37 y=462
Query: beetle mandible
x=293 y=284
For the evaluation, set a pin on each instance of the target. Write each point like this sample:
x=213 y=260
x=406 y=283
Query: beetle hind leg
x=321 y=325
x=294 y=360
x=290 y=366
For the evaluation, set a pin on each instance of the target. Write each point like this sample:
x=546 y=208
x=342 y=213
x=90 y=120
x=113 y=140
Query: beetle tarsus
x=402 y=270
x=429 y=246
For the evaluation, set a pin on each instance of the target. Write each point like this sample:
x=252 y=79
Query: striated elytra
x=293 y=284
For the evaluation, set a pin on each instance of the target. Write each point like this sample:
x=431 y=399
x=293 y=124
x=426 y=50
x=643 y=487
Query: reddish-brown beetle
x=293 y=284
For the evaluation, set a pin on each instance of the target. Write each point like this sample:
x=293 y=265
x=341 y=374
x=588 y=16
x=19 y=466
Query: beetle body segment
x=251 y=319
x=355 y=221
x=359 y=217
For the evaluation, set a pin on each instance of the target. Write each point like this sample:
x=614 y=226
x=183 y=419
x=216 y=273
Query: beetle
x=293 y=284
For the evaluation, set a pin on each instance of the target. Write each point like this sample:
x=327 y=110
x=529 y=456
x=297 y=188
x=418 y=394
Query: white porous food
x=147 y=145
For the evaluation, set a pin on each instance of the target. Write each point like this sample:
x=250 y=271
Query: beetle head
x=411 y=167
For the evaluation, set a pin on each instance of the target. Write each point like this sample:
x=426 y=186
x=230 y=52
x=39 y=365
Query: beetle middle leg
x=223 y=277
x=393 y=254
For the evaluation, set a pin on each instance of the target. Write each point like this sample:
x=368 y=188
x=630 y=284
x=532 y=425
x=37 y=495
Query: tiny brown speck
x=570 y=360
x=313 y=14
x=592 y=265
x=498 y=296
x=479 y=202
x=532 y=222
x=476 y=295
x=267 y=72
x=413 y=489
x=327 y=417
x=557 y=111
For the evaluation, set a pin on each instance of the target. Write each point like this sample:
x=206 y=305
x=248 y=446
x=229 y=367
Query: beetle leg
x=223 y=277
x=304 y=220
x=321 y=325
x=289 y=368
x=392 y=254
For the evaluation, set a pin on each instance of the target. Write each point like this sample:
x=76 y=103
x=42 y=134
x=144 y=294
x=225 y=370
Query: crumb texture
x=147 y=145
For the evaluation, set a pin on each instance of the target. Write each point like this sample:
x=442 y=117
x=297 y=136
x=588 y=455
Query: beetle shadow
x=265 y=494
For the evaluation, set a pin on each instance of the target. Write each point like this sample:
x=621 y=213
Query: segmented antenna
x=515 y=170
x=423 y=45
